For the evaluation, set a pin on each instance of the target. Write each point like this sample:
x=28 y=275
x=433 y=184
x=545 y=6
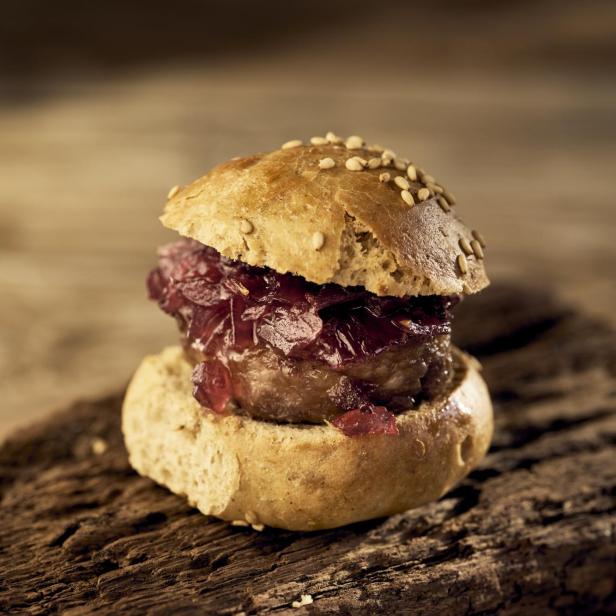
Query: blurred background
x=105 y=106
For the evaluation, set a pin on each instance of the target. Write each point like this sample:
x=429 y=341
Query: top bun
x=316 y=211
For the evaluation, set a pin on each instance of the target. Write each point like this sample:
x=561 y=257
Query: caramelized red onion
x=226 y=306
x=374 y=420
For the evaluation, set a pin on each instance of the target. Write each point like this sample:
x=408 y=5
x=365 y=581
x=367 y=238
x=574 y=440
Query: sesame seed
x=450 y=198
x=462 y=264
x=258 y=527
x=246 y=226
x=423 y=194
x=376 y=148
x=374 y=163
x=444 y=205
x=317 y=240
x=465 y=246
x=401 y=182
x=251 y=517
x=304 y=600
x=326 y=163
x=479 y=238
x=294 y=143
x=353 y=164
x=384 y=177
x=333 y=138
x=173 y=192
x=412 y=173
x=427 y=179
x=399 y=165
x=388 y=154
x=318 y=140
x=438 y=189
x=407 y=198
x=242 y=289
x=239 y=523
x=354 y=142
x=477 y=249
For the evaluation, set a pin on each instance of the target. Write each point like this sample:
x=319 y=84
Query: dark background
x=104 y=106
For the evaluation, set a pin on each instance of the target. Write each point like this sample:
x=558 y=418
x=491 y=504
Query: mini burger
x=315 y=383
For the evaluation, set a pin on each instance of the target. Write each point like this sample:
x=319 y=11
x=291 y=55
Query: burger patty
x=275 y=346
x=266 y=385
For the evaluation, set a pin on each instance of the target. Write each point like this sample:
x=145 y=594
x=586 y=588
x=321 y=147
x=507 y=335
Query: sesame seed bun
x=351 y=222
x=295 y=476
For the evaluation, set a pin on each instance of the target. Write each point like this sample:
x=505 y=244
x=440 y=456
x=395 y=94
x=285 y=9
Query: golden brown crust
x=372 y=237
x=299 y=477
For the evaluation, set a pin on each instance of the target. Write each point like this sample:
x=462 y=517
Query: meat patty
x=278 y=347
x=267 y=385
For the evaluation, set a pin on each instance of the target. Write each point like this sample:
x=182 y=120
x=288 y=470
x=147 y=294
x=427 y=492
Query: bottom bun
x=299 y=476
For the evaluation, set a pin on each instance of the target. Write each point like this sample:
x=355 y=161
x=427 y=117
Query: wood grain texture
x=530 y=532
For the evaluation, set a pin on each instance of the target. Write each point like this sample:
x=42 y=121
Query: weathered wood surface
x=531 y=531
